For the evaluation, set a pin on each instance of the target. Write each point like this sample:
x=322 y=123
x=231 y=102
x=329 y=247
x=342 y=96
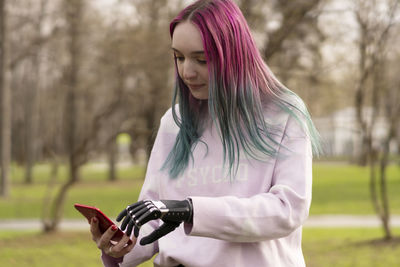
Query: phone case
x=104 y=222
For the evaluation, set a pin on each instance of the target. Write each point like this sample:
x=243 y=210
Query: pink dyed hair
x=240 y=84
x=230 y=50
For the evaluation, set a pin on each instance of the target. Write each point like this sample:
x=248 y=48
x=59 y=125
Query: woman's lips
x=195 y=86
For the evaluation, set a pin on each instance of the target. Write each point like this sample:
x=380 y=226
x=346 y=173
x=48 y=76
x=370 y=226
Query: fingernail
x=114 y=227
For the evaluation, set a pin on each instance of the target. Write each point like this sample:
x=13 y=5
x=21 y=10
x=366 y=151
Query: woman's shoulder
x=287 y=116
x=274 y=114
x=168 y=123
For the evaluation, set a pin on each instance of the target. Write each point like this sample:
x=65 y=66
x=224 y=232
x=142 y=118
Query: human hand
x=172 y=212
x=103 y=241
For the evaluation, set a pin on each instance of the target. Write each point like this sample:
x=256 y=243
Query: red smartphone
x=104 y=222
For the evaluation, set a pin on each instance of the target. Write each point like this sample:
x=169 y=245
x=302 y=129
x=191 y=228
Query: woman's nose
x=189 y=70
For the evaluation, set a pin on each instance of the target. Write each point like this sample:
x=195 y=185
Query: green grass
x=337 y=189
x=26 y=201
x=322 y=248
x=64 y=249
x=349 y=248
x=344 y=189
x=89 y=172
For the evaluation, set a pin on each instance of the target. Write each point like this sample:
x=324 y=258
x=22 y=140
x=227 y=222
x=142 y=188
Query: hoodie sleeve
x=269 y=215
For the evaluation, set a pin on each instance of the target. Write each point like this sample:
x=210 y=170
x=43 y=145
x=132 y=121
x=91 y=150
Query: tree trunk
x=30 y=121
x=385 y=212
x=362 y=158
x=73 y=12
x=5 y=106
x=57 y=210
x=46 y=207
x=385 y=216
x=31 y=116
x=373 y=187
x=112 y=160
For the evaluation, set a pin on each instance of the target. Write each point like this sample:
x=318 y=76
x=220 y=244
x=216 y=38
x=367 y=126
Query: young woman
x=229 y=178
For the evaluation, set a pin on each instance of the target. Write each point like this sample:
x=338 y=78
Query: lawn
x=344 y=189
x=359 y=247
x=337 y=189
x=64 y=249
x=26 y=200
x=322 y=248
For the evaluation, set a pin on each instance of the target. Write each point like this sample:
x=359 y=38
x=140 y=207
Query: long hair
x=239 y=84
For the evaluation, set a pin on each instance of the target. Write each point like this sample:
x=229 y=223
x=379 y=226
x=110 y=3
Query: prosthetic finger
x=164 y=229
x=126 y=221
x=134 y=205
x=130 y=227
x=139 y=213
x=136 y=231
x=126 y=211
x=137 y=209
x=131 y=217
x=122 y=214
x=151 y=214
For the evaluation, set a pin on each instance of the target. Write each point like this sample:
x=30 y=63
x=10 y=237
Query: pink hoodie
x=254 y=220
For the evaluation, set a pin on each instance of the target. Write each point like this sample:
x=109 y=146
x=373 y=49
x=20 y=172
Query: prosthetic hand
x=171 y=212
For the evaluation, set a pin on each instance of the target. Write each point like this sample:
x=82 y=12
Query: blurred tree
x=27 y=40
x=156 y=67
x=390 y=84
x=294 y=14
x=152 y=67
x=375 y=20
x=5 y=104
x=254 y=12
x=290 y=39
x=31 y=107
x=94 y=80
x=112 y=151
x=297 y=57
x=113 y=57
x=73 y=17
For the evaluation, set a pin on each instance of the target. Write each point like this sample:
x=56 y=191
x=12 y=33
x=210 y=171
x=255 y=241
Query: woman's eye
x=202 y=61
x=180 y=58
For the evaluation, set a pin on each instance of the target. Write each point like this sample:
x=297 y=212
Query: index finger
x=94 y=228
x=106 y=237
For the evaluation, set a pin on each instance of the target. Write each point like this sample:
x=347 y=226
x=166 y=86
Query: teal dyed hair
x=240 y=85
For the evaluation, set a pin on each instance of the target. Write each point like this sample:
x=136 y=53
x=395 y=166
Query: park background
x=84 y=83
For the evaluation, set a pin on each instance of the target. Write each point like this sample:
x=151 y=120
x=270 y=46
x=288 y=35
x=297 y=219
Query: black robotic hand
x=171 y=212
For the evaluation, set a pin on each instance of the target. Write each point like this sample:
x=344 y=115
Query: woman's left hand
x=103 y=241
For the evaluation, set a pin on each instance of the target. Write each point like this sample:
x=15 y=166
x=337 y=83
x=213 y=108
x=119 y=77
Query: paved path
x=349 y=221
x=325 y=221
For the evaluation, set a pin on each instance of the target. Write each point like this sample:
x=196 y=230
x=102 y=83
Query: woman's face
x=188 y=49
